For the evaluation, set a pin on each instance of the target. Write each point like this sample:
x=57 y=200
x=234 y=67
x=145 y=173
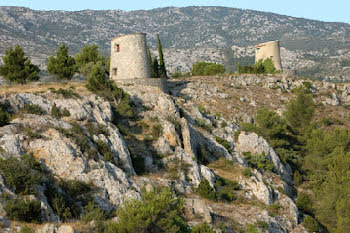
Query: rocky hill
x=225 y=35
x=73 y=136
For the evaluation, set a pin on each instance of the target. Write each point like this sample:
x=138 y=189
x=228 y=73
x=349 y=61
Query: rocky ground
x=165 y=143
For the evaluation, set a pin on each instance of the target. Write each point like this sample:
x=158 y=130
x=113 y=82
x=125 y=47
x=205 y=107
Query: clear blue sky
x=325 y=10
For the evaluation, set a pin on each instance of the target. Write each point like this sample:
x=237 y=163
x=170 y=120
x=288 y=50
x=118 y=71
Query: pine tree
x=62 y=66
x=88 y=58
x=17 y=68
x=162 y=70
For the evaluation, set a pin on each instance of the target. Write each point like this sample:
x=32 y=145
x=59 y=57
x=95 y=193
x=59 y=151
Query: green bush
x=202 y=155
x=207 y=68
x=252 y=229
x=247 y=172
x=226 y=189
x=26 y=229
x=158 y=211
x=258 y=161
x=157 y=131
x=261 y=67
x=310 y=224
x=205 y=190
x=105 y=151
x=5 y=117
x=21 y=174
x=202 y=228
x=66 y=93
x=304 y=203
x=224 y=143
x=55 y=112
x=17 y=68
x=64 y=196
x=95 y=214
x=33 y=109
x=23 y=210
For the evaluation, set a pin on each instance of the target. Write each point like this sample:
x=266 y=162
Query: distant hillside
x=312 y=47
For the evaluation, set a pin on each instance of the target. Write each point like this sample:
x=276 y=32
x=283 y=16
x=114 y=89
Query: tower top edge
x=131 y=34
x=266 y=43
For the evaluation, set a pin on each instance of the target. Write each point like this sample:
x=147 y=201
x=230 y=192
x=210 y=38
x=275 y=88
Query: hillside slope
x=170 y=140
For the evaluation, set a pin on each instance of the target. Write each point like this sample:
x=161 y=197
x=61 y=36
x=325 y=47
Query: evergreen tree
x=150 y=63
x=162 y=70
x=17 y=68
x=155 y=68
x=88 y=58
x=62 y=66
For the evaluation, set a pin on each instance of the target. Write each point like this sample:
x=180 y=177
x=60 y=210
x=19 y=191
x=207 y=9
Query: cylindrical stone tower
x=269 y=50
x=129 y=57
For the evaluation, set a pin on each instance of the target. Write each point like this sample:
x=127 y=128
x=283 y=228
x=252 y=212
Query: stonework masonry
x=129 y=57
x=269 y=50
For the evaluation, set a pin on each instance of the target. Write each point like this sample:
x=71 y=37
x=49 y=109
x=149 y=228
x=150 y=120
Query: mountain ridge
x=321 y=47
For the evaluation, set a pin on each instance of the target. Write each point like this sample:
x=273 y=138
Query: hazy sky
x=325 y=10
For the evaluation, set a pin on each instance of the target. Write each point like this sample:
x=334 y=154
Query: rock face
x=251 y=142
x=179 y=154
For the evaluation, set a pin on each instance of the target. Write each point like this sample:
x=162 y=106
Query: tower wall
x=269 y=50
x=129 y=57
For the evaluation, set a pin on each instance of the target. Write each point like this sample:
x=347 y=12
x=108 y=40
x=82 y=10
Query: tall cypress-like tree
x=162 y=70
x=150 y=62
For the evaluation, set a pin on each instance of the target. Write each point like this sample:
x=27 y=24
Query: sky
x=324 y=10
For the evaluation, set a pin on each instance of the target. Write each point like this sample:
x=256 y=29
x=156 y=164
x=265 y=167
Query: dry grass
x=79 y=87
x=227 y=169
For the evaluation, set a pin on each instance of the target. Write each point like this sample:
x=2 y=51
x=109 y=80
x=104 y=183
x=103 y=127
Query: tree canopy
x=62 y=66
x=17 y=68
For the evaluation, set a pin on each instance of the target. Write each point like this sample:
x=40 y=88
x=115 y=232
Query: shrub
x=205 y=190
x=226 y=189
x=202 y=228
x=252 y=229
x=21 y=174
x=33 y=109
x=64 y=195
x=55 y=112
x=263 y=225
x=95 y=214
x=26 y=229
x=157 y=130
x=158 y=211
x=5 y=117
x=262 y=66
x=310 y=224
x=304 y=203
x=66 y=93
x=23 y=210
x=258 y=161
x=105 y=151
x=207 y=68
x=224 y=143
x=247 y=172
x=17 y=68
x=202 y=155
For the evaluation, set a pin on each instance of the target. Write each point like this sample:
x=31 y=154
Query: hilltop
x=218 y=34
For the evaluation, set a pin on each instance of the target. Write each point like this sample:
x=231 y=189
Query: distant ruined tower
x=269 y=50
x=129 y=57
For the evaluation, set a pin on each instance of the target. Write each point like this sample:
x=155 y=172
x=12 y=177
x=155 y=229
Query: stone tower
x=269 y=50
x=129 y=57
